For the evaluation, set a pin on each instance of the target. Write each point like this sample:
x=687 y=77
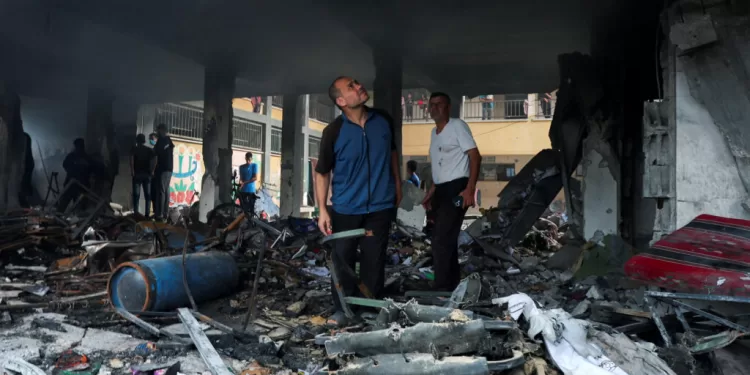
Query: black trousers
x=142 y=182
x=448 y=219
x=372 y=252
x=247 y=202
x=161 y=194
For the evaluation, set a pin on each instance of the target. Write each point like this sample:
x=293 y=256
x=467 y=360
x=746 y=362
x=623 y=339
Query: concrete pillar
x=293 y=156
x=267 y=130
x=601 y=193
x=216 y=187
x=100 y=142
x=456 y=105
x=534 y=100
x=268 y=107
x=463 y=108
x=306 y=200
x=387 y=89
x=12 y=146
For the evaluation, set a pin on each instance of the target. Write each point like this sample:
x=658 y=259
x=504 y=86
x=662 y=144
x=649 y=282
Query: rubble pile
x=105 y=294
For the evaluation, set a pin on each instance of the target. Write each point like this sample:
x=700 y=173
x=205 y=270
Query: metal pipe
x=445 y=338
x=702 y=297
x=251 y=302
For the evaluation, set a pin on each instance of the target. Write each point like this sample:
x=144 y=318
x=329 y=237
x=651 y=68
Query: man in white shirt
x=455 y=168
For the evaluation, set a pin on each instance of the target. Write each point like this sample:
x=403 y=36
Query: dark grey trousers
x=161 y=198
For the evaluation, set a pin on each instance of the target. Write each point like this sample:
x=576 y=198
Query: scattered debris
x=115 y=281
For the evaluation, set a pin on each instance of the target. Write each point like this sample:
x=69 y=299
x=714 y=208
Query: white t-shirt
x=448 y=151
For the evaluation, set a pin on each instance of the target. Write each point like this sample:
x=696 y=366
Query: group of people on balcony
x=409 y=104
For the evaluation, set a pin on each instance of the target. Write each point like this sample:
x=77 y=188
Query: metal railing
x=475 y=109
x=321 y=112
x=415 y=112
x=187 y=122
x=545 y=108
x=181 y=121
x=248 y=134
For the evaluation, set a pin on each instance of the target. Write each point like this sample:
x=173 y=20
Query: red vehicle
x=711 y=254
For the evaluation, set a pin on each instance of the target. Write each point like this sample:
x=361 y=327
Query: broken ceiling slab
x=694 y=33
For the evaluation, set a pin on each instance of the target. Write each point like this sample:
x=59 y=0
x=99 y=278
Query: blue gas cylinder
x=156 y=284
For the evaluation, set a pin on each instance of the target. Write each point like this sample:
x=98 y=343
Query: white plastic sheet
x=564 y=337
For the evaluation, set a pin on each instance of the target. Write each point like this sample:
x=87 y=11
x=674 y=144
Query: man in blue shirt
x=358 y=157
x=248 y=177
x=411 y=171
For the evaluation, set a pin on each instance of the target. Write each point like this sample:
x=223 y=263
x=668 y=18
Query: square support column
x=12 y=146
x=100 y=143
x=267 y=139
x=601 y=195
x=216 y=187
x=387 y=89
x=293 y=155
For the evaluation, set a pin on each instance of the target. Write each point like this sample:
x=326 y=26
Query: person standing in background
x=409 y=108
x=248 y=178
x=79 y=167
x=163 y=172
x=490 y=105
x=141 y=169
x=455 y=169
x=411 y=171
x=27 y=190
x=403 y=107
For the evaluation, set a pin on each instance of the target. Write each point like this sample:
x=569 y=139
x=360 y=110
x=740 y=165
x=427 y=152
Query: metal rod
x=681 y=317
x=659 y=323
x=710 y=316
x=703 y=297
x=252 y=302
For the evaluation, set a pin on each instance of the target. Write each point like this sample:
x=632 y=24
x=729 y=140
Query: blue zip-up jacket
x=360 y=161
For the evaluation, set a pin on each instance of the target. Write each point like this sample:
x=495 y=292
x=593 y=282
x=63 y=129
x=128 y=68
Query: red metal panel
x=711 y=254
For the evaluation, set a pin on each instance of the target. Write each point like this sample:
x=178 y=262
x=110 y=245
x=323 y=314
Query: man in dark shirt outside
x=163 y=172
x=78 y=166
x=411 y=171
x=248 y=177
x=358 y=156
x=141 y=170
x=27 y=190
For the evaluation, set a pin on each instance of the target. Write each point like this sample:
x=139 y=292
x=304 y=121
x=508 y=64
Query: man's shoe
x=338 y=319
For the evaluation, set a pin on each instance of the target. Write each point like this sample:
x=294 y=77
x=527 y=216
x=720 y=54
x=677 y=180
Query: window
x=496 y=172
x=276 y=140
x=313 y=147
x=181 y=121
x=247 y=134
x=488 y=160
x=321 y=108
